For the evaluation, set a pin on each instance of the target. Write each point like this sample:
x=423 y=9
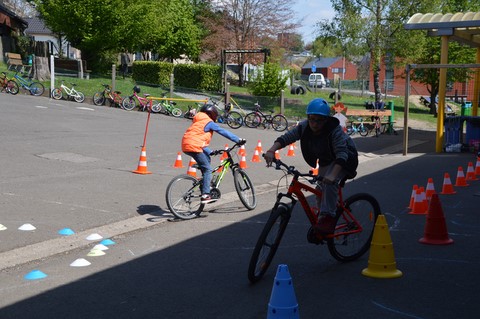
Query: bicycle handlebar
x=293 y=171
x=228 y=150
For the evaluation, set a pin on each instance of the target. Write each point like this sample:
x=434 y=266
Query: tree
x=269 y=81
x=251 y=21
x=374 y=27
x=102 y=28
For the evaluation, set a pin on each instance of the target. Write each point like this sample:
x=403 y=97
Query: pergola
x=460 y=27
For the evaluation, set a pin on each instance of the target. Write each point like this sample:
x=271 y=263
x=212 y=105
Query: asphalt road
x=69 y=165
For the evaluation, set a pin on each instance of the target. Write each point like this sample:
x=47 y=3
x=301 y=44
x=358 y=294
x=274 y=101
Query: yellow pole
x=441 y=94
x=476 y=88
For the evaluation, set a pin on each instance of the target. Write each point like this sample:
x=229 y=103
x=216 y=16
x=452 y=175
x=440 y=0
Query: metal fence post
x=282 y=102
x=171 y=84
x=114 y=76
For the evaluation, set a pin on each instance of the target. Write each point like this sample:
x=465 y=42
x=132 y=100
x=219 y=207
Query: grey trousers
x=327 y=203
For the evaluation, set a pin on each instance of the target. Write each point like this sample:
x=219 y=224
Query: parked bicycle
x=71 y=93
x=257 y=117
x=359 y=128
x=113 y=97
x=35 y=88
x=183 y=192
x=168 y=108
x=144 y=104
x=356 y=217
x=8 y=85
x=232 y=118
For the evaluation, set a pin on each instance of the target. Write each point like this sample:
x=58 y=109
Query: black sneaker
x=326 y=224
x=206 y=199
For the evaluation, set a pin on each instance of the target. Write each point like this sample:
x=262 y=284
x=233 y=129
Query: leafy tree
x=102 y=28
x=269 y=81
x=374 y=27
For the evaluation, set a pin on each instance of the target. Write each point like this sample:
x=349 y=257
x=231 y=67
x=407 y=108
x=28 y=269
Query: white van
x=316 y=79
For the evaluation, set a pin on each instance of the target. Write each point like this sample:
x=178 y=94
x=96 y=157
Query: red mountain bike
x=356 y=217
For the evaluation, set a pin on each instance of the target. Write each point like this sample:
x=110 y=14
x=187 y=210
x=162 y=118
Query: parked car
x=316 y=80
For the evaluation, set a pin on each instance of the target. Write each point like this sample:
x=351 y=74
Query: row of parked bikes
x=234 y=119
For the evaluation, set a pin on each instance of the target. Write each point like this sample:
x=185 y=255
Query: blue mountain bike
x=35 y=88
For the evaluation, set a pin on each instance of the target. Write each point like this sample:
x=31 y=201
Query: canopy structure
x=460 y=27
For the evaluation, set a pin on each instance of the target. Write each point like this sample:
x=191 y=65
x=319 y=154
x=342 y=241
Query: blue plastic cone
x=107 y=242
x=35 y=274
x=283 y=303
x=66 y=232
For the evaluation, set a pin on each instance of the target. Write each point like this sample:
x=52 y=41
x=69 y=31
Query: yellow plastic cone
x=381 y=262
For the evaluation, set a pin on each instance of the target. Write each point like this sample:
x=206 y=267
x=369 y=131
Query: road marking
x=41 y=107
x=85 y=108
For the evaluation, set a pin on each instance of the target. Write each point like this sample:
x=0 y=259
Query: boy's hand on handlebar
x=269 y=157
x=242 y=141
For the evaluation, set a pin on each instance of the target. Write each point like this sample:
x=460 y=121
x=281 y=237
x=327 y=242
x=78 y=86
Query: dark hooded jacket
x=331 y=145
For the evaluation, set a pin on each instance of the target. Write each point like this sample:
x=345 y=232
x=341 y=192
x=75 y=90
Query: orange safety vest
x=195 y=138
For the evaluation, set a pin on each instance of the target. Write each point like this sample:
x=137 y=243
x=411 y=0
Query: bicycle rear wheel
x=234 y=119
x=245 y=189
x=350 y=129
x=252 y=120
x=36 y=88
x=279 y=123
x=176 y=112
x=354 y=231
x=183 y=197
x=156 y=107
x=79 y=97
x=268 y=242
x=12 y=87
x=128 y=103
x=362 y=130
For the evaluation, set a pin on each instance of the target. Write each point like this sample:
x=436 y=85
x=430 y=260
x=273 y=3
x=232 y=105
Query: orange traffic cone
x=224 y=154
x=259 y=147
x=291 y=151
x=435 y=226
x=192 y=171
x=460 y=181
x=315 y=170
x=430 y=190
x=142 y=163
x=277 y=155
x=447 y=187
x=178 y=161
x=243 y=162
x=412 y=197
x=418 y=204
x=242 y=151
x=477 y=166
x=256 y=156
x=471 y=173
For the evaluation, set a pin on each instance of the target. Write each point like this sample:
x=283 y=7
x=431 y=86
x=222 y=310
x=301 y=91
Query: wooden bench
x=66 y=67
x=15 y=62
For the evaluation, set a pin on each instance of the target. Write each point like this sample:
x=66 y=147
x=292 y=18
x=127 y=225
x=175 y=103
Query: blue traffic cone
x=66 y=232
x=35 y=274
x=283 y=303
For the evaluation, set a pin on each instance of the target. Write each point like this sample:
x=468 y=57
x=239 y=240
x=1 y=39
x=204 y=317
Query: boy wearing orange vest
x=195 y=143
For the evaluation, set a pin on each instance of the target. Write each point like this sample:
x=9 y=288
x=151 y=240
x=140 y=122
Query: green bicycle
x=183 y=192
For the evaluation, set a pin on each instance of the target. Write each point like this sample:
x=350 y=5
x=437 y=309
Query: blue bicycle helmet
x=318 y=107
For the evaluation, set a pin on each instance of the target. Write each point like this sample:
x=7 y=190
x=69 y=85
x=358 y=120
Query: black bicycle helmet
x=211 y=111
x=136 y=89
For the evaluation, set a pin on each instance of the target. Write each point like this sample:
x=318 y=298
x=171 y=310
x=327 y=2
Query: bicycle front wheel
x=350 y=129
x=99 y=98
x=268 y=242
x=362 y=130
x=244 y=187
x=79 y=97
x=279 y=123
x=183 y=197
x=128 y=103
x=57 y=94
x=234 y=119
x=36 y=88
x=354 y=229
x=252 y=120
x=12 y=87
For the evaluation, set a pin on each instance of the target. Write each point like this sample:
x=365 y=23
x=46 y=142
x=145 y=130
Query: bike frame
x=297 y=188
x=70 y=91
x=23 y=82
x=142 y=101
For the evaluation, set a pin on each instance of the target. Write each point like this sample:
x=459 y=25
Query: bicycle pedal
x=313 y=237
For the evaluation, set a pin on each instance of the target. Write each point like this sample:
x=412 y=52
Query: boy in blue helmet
x=323 y=139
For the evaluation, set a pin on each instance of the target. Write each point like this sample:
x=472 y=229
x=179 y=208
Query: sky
x=308 y=13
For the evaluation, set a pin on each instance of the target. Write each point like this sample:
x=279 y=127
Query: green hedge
x=198 y=76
